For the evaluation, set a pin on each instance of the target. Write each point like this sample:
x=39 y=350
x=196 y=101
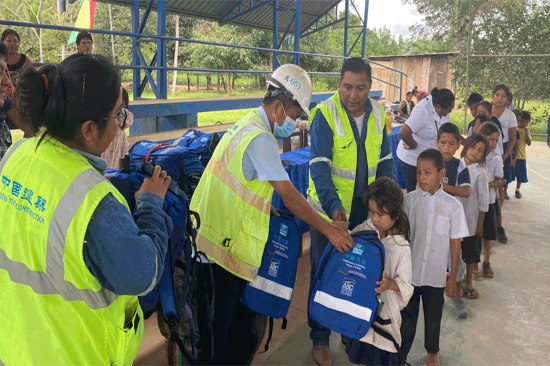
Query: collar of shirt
x=99 y=164
x=439 y=192
x=368 y=108
x=264 y=117
x=473 y=166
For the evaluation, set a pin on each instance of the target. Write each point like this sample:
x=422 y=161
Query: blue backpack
x=344 y=299
x=174 y=295
x=203 y=143
x=270 y=293
x=181 y=163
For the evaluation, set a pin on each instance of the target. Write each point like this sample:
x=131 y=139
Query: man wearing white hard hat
x=233 y=199
x=349 y=150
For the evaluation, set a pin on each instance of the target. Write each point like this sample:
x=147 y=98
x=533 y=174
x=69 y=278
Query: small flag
x=85 y=18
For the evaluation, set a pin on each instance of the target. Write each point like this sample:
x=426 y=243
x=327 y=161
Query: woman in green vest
x=72 y=259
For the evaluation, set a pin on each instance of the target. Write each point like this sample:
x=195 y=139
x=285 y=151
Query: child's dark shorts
x=490 y=223
x=470 y=253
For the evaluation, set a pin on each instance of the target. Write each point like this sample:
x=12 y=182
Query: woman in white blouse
x=419 y=133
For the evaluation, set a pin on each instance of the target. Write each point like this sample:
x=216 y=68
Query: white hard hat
x=294 y=83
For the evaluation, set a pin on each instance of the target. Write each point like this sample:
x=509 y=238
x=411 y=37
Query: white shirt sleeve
x=483 y=191
x=459 y=227
x=499 y=167
x=263 y=154
x=417 y=120
x=403 y=277
x=513 y=120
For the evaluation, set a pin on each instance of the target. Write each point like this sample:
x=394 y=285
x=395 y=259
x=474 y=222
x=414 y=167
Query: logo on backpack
x=274 y=268
x=347 y=287
x=284 y=230
x=358 y=249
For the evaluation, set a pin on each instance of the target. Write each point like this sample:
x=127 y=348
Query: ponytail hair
x=389 y=198
x=57 y=100
x=443 y=97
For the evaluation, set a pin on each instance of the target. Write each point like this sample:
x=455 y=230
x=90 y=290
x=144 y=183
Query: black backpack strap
x=390 y=338
x=270 y=332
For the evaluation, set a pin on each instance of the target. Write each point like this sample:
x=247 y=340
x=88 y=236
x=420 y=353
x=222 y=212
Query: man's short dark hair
x=83 y=35
x=526 y=115
x=435 y=156
x=356 y=65
x=474 y=98
x=3 y=51
x=449 y=128
x=503 y=87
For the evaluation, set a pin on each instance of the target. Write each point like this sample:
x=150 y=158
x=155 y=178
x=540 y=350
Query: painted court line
x=542 y=176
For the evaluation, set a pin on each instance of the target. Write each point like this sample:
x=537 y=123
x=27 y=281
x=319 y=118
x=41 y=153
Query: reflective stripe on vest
x=272 y=287
x=344 y=306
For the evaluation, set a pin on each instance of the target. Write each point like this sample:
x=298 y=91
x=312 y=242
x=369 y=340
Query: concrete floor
x=509 y=324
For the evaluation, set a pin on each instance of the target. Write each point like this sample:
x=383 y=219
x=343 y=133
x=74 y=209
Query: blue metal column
x=275 y=33
x=363 y=46
x=297 y=32
x=162 y=75
x=346 y=25
x=135 y=61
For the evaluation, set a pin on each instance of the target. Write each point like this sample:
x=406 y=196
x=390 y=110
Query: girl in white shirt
x=473 y=155
x=384 y=200
x=495 y=170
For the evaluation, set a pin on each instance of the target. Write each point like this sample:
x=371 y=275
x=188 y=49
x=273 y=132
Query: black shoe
x=501 y=235
x=345 y=340
x=518 y=194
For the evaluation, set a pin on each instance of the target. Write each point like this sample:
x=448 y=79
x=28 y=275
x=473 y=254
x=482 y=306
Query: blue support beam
x=286 y=30
x=365 y=29
x=231 y=14
x=346 y=22
x=317 y=29
x=162 y=75
x=136 y=74
x=354 y=43
x=316 y=21
x=146 y=16
x=276 y=45
x=296 y=59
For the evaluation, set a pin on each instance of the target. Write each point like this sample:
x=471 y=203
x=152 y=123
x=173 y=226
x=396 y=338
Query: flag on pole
x=85 y=18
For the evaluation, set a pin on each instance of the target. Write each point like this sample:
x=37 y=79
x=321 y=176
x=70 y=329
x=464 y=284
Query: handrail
x=152 y=36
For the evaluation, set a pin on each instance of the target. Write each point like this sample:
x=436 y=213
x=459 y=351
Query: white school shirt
x=397 y=265
x=434 y=220
x=494 y=166
x=507 y=120
x=479 y=196
x=424 y=123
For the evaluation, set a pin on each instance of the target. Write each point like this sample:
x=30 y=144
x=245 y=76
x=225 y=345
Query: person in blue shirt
x=355 y=85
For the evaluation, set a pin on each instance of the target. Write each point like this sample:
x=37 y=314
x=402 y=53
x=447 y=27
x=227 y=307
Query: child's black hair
x=125 y=98
x=4 y=51
x=449 y=128
x=488 y=105
x=503 y=87
x=409 y=93
x=488 y=129
x=518 y=113
x=510 y=97
x=389 y=198
x=526 y=115
x=474 y=98
x=471 y=142
x=443 y=97
x=435 y=156
x=482 y=118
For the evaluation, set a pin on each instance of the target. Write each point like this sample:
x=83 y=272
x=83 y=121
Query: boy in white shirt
x=437 y=225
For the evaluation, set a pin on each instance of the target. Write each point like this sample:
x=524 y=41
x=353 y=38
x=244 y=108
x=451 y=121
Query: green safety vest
x=53 y=311
x=234 y=212
x=344 y=150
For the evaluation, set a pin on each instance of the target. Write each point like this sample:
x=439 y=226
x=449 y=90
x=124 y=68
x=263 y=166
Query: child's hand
x=479 y=231
x=385 y=284
x=450 y=288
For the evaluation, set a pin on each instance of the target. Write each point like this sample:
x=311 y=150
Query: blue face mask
x=288 y=127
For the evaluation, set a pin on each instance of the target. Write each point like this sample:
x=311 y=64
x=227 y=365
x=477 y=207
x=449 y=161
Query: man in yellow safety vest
x=349 y=150
x=233 y=199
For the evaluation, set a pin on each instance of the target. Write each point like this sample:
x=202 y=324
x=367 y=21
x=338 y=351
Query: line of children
x=384 y=200
x=455 y=183
x=437 y=225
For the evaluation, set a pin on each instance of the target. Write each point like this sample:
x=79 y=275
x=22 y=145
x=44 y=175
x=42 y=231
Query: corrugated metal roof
x=259 y=18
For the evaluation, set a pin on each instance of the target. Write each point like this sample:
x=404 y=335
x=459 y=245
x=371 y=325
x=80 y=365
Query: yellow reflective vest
x=53 y=311
x=343 y=166
x=234 y=212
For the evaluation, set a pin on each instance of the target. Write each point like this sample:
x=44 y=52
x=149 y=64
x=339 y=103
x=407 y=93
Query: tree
x=515 y=28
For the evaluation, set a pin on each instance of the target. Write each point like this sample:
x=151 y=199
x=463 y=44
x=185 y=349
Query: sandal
x=477 y=275
x=487 y=271
x=470 y=293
